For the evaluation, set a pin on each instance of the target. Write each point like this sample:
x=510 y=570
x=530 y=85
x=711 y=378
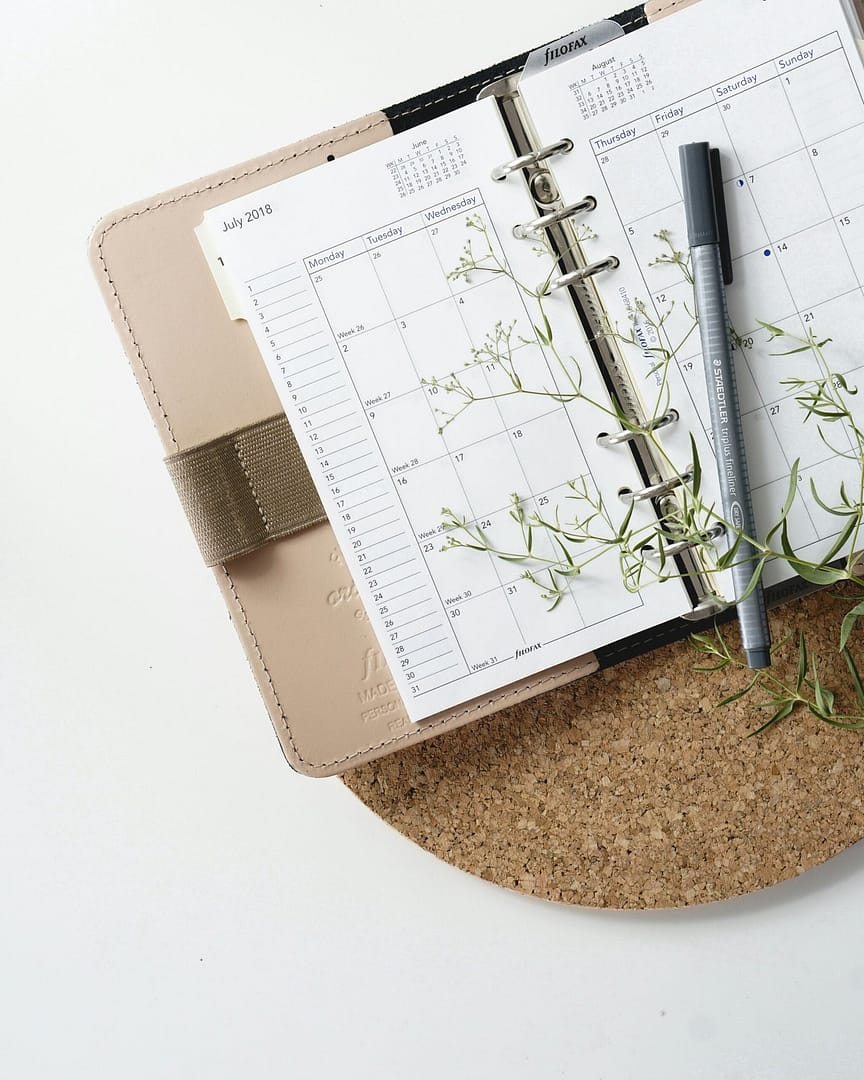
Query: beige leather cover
x=325 y=685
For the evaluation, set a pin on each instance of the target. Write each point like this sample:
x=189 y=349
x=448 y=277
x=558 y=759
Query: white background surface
x=175 y=902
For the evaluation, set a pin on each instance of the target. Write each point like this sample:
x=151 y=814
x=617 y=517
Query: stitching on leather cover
x=626 y=648
x=180 y=198
x=493 y=699
x=242 y=461
x=483 y=82
x=455 y=93
x=241 y=176
x=659 y=9
x=263 y=663
x=131 y=333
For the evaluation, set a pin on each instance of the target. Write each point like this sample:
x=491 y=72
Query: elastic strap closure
x=244 y=489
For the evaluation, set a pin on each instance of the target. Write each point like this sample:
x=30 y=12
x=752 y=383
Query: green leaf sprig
x=582 y=529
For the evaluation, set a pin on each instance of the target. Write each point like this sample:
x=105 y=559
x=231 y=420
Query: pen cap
x=698 y=186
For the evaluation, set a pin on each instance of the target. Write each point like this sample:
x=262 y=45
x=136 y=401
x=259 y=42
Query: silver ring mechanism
x=532 y=229
x=655 y=491
x=708 y=606
x=575 y=276
x=562 y=146
x=681 y=546
x=619 y=437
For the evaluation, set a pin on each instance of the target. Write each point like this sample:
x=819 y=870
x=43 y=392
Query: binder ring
x=707 y=606
x=563 y=146
x=687 y=545
x=654 y=491
x=575 y=276
x=531 y=228
x=619 y=437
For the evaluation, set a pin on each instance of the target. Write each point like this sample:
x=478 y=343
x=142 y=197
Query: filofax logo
x=564 y=48
x=558 y=52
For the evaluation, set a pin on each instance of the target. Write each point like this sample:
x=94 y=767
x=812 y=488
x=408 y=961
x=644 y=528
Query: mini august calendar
x=617 y=83
x=378 y=338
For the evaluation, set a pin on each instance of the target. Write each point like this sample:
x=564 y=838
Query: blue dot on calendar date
x=740 y=183
x=767 y=253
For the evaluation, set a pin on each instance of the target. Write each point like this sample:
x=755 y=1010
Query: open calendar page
x=344 y=275
x=777 y=86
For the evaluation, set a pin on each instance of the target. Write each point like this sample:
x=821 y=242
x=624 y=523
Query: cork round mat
x=631 y=789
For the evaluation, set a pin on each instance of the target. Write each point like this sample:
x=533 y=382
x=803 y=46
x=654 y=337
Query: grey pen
x=711 y=266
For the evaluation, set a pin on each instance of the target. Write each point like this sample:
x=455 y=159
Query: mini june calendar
x=426 y=164
x=378 y=339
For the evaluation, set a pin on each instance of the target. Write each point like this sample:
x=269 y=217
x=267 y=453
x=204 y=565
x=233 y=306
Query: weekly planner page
x=346 y=277
x=776 y=85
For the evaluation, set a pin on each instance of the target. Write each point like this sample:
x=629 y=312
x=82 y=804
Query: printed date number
x=259 y=212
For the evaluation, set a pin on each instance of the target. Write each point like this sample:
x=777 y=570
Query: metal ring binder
x=654 y=491
x=681 y=546
x=619 y=437
x=575 y=276
x=533 y=228
x=551 y=226
x=563 y=146
x=706 y=607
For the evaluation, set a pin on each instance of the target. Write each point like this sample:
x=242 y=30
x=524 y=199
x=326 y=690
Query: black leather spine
x=443 y=99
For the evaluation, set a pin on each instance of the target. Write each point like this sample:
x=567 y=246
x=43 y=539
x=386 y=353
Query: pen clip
x=722 y=220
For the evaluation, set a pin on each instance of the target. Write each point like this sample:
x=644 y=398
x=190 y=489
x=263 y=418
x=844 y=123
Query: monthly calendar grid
x=775 y=242
x=417 y=662
x=661 y=125
x=318 y=332
x=536 y=497
x=419 y=375
x=319 y=395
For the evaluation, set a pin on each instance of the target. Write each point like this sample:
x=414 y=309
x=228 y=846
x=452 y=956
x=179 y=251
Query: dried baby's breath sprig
x=582 y=529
